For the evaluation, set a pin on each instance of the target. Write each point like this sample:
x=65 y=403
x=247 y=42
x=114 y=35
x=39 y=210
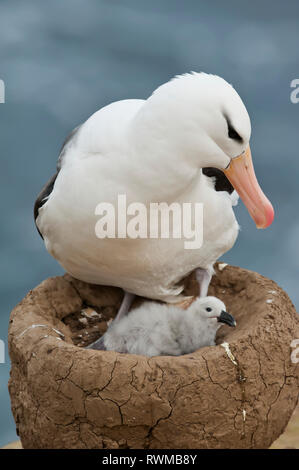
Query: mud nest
x=239 y=394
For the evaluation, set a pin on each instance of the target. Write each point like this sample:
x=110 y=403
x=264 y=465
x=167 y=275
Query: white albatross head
x=201 y=119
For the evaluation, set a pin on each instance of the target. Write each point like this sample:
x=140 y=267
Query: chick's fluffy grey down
x=155 y=330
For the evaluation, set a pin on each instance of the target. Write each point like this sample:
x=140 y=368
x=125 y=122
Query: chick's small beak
x=227 y=318
x=240 y=173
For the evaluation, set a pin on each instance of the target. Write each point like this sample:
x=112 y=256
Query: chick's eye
x=208 y=309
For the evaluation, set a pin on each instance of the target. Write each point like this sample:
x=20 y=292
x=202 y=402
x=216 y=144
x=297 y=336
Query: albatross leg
x=98 y=344
x=203 y=277
x=127 y=301
x=125 y=306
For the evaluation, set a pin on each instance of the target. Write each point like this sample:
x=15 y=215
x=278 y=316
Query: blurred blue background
x=64 y=59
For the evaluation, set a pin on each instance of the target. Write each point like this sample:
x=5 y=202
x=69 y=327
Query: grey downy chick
x=165 y=330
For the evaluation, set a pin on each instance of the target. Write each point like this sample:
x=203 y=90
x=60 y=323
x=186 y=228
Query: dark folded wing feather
x=221 y=181
x=69 y=140
x=47 y=189
x=42 y=197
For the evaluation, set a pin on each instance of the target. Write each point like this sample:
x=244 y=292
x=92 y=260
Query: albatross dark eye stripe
x=232 y=133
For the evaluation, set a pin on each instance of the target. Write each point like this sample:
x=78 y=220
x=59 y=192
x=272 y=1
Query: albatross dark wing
x=47 y=189
x=43 y=196
x=69 y=140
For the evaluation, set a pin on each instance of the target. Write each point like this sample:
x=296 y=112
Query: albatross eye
x=232 y=133
x=208 y=309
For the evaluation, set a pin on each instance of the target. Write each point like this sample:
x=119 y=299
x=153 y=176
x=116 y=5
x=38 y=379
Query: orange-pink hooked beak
x=240 y=173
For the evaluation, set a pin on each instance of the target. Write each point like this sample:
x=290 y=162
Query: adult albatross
x=163 y=149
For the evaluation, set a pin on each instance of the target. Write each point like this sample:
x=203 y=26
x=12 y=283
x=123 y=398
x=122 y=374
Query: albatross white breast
x=152 y=150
